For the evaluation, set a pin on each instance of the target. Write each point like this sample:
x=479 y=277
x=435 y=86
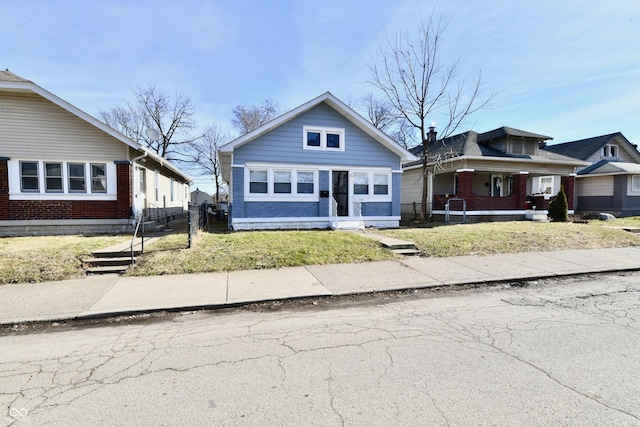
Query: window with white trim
x=320 y=138
x=545 y=184
x=610 y=151
x=77 y=182
x=173 y=189
x=281 y=183
x=29 y=181
x=635 y=183
x=98 y=177
x=374 y=185
x=59 y=177
x=157 y=185
x=53 y=177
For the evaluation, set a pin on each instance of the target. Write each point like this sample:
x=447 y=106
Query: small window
x=98 y=178
x=173 y=189
x=157 y=185
x=29 y=177
x=53 y=177
x=610 y=150
x=77 y=178
x=635 y=183
x=360 y=183
x=546 y=185
x=333 y=140
x=282 y=182
x=305 y=182
x=258 y=182
x=380 y=184
x=313 y=139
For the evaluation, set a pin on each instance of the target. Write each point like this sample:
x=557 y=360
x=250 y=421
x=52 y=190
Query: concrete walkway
x=101 y=296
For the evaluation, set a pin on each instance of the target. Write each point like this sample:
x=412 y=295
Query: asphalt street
x=553 y=352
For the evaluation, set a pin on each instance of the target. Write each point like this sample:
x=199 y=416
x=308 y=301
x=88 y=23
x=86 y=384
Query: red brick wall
x=125 y=190
x=5 y=212
x=569 y=183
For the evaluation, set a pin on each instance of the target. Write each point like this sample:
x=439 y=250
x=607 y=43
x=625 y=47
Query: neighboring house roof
x=471 y=144
x=606 y=167
x=15 y=83
x=337 y=105
x=584 y=148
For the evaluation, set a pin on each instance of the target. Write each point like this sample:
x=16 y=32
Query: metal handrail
x=139 y=224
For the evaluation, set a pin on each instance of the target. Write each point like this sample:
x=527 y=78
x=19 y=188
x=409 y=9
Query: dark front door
x=341 y=191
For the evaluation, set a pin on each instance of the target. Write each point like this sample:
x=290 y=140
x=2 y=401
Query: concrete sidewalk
x=97 y=296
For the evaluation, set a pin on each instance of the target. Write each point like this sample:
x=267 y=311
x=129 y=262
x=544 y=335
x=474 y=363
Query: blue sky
x=568 y=69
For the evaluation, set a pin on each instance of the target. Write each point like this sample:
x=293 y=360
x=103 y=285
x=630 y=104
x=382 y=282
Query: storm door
x=340 y=181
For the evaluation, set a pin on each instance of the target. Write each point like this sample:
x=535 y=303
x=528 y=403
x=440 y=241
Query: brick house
x=64 y=172
x=498 y=175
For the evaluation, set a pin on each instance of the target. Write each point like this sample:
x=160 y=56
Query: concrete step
x=115 y=253
x=632 y=229
x=109 y=261
x=407 y=252
x=110 y=269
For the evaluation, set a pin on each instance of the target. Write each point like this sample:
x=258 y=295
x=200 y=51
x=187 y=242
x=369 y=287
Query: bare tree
x=171 y=117
x=203 y=154
x=379 y=111
x=409 y=71
x=247 y=118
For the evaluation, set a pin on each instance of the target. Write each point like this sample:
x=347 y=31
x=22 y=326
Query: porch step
x=347 y=225
x=397 y=246
x=407 y=252
x=109 y=261
x=109 y=269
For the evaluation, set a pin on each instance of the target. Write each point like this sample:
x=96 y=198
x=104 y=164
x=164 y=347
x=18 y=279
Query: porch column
x=569 y=182
x=465 y=183
x=4 y=189
x=520 y=188
x=124 y=173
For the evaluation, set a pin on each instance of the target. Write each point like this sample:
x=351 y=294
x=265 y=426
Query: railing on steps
x=139 y=225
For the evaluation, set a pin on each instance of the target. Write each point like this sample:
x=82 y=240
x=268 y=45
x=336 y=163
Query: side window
x=77 y=183
x=635 y=183
x=53 y=177
x=258 y=181
x=98 y=178
x=333 y=140
x=305 y=182
x=282 y=182
x=380 y=184
x=360 y=183
x=29 y=182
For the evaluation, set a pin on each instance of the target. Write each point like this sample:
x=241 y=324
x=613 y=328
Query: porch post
x=520 y=188
x=569 y=182
x=5 y=211
x=465 y=184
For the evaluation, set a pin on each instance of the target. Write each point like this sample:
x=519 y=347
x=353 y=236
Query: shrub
x=558 y=207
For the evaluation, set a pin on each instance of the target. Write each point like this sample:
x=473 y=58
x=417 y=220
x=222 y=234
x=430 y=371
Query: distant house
x=611 y=182
x=319 y=165
x=199 y=197
x=62 y=171
x=492 y=176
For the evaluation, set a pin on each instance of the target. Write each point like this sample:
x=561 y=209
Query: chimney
x=432 y=133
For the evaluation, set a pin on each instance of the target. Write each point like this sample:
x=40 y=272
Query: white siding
x=594 y=186
x=411 y=186
x=33 y=128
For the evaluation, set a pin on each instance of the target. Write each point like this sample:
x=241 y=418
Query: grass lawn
x=37 y=259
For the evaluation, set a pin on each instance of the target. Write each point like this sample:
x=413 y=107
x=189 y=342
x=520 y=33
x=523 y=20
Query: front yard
x=38 y=259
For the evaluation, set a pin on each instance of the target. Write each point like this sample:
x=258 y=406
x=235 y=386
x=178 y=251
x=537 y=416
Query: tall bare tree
x=409 y=71
x=171 y=117
x=247 y=118
x=204 y=155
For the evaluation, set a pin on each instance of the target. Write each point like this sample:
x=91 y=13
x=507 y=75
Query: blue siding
x=281 y=209
x=284 y=144
x=237 y=178
x=376 y=209
x=395 y=196
x=323 y=177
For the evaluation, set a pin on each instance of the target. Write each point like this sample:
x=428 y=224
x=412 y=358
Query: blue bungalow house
x=320 y=165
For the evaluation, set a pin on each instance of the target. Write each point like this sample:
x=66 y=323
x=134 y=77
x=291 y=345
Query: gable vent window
x=610 y=151
x=318 y=138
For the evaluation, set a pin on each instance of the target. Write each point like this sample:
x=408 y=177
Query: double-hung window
x=98 y=178
x=53 y=177
x=360 y=183
x=305 y=182
x=77 y=182
x=635 y=183
x=282 y=182
x=380 y=184
x=29 y=181
x=610 y=151
x=258 y=182
x=320 y=138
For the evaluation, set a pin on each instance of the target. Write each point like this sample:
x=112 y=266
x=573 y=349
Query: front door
x=340 y=181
